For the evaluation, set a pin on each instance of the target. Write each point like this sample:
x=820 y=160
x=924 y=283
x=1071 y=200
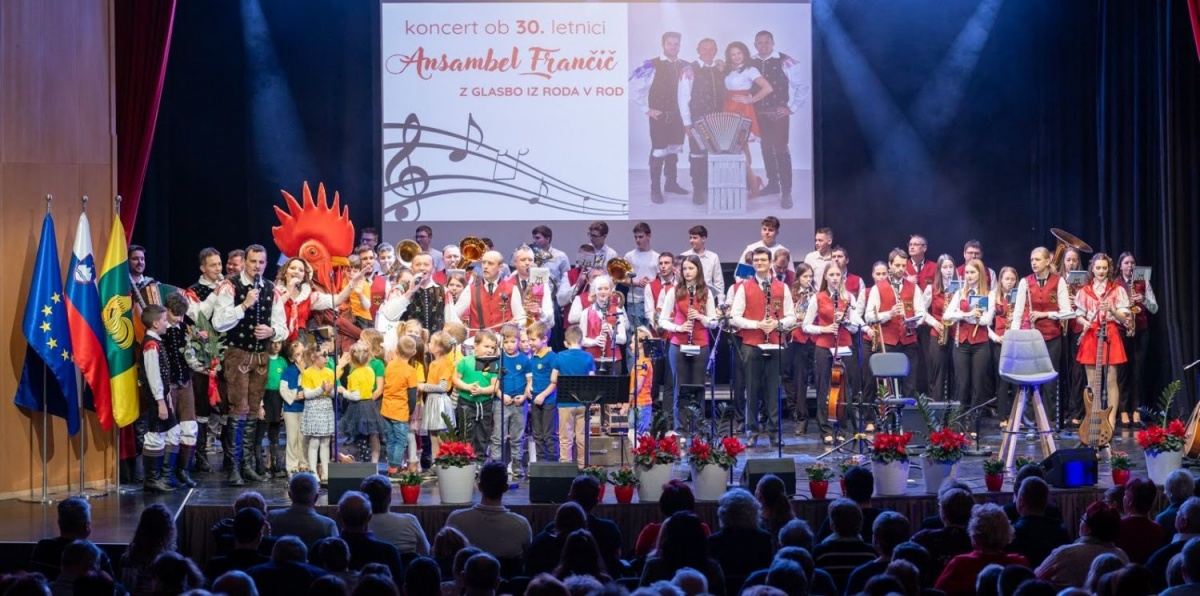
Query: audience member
x=776 y=507
x=1115 y=497
x=787 y=576
x=676 y=496
x=375 y=585
x=1036 y=587
x=1191 y=571
x=289 y=571
x=934 y=522
x=446 y=544
x=301 y=518
x=329 y=585
x=883 y=585
x=907 y=574
x=1132 y=580
x=796 y=533
x=682 y=543
x=585 y=491
x=375 y=569
x=235 y=583
x=844 y=550
x=1098 y=528
x=1028 y=471
x=222 y=531
x=174 y=574
x=988 y=582
x=755 y=591
x=481 y=575
x=545 y=584
x=422 y=578
x=489 y=525
x=547 y=547
x=98 y=582
x=952 y=539
x=1100 y=566
x=455 y=584
x=155 y=535
x=1012 y=577
x=860 y=486
x=354 y=511
x=334 y=556
x=249 y=525
x=1178 y=488
x=990 y=533
x=1175 y=572
x=1187 y=521
x=401 y=530
x=1036 y=535
x=79 y=558
x=890 y=530
x=1139 y=536
x=581 y=556
x=740 y=546
x=74 y=523
x=920 y=558
x=690 y=582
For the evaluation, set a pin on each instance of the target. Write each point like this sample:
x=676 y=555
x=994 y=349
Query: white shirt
x=819 y=263
x=204 y=307
x=738 y=309
x=775 y=247
x=645 y=264
x=1018 y=309
x=1148 y=298
x=685 y=89
x=797 y=89
x=643 y=77
x=226 y=314
x=743 y=80
x=609 y=254
x=711 y=263
x=666 y=309
x=874 y=314
x=654 y=307
x=547 y=306
x=592 y=341
x=955 y=314
x=853 y=320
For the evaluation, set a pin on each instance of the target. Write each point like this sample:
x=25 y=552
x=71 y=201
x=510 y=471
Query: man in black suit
x=249 y=525
x=287 y=573
x=354 y=510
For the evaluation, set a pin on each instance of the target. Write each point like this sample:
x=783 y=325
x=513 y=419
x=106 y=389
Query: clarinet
x=691 y=304
x=767 y=308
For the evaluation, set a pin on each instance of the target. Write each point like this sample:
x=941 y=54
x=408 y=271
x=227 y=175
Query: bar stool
x=1025 y=361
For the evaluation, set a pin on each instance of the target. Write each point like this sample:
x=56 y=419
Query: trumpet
x=586 y=257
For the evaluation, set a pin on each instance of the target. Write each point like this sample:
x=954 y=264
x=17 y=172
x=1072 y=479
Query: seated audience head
x=690 y=582
x=422 y=576
x=889 y=530
x=796 y=533
x=173 y=573
x=249 y=525
x=1027 y=471
x=1140 y=494
x=585 y=490
x=303 y=489
x=1179 y=486
x=74 y=518
x=1187 y=521
x=1012 y=577
x=99 y=582
x=1115 y=497
x=682 y=543
x=354 y=510
x=580 y=556
x=154 y=535
x=250 y=498
x=988 y=582
x=569 y=517
x=447 y=542
x=1175 y=571
x=328 y=585
x=378 y=489
x=758 y=591
x=989 y=529
x=493 y=480
x=952 y=483
x=235 y=583
x=954 y=507
x=1036 y=587
x=737 y=508
x=845 y=518
x=883 y=585
x=917 y=555
x=375 y=585
x=1102 y=565
x=1133 y=580
x=907 y=574
x=289 y=549
x=1191 y=561
x=1032 y=497
x=860 y=484
x=460 y=563
x=546 y=585
x=481 y=573
x=787 y=576
x=1101 y=522
x=772 y=496
x=79 y=557
x=334 y=553
x=676 y=496
x=582 y=585
x=376 y=569
x=800 y=557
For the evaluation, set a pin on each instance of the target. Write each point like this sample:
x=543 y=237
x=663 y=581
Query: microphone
x=258 y=281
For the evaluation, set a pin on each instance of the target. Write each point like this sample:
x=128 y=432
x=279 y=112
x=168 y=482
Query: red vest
x=378 y=292
x=756 y=310
x=439 y=277
x=967 y=333
x=893 y=330
x=679 y=316
x=825 y=314
x=1043 y=299
x=573 y=278
x=925 y=275
x=594 y=320
x=656 y=290
x=484 y=311
x=1142 y=318
x=1003 y=313
x=854 y=284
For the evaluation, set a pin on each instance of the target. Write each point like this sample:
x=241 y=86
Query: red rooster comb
x=315 y=221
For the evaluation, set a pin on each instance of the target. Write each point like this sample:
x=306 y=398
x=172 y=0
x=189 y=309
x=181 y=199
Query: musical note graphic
x=461 y=154
x=407 y=186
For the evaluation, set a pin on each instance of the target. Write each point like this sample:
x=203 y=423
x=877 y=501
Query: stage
x=115 y=515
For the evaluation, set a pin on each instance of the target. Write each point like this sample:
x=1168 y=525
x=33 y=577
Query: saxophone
x=942 y=332
x=1134 y=309
x=877 y=339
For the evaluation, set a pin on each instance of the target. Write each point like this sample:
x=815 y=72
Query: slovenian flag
x=48 y=377
x=118 y=326
x=87 y=328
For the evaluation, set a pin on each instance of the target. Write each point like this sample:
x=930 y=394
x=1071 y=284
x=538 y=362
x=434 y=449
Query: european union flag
x=49 y=372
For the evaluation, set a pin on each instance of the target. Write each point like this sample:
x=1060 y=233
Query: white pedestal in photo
x=726 y=184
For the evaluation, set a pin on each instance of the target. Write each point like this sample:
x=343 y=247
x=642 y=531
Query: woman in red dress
x=1102 y=300
x=744 y=87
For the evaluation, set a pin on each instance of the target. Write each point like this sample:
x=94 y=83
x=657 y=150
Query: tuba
x=407 y=250
x=1065 y=240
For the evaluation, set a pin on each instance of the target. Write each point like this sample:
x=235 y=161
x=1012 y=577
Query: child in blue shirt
x=517 y=388
x=543 y=410
x=572 y=415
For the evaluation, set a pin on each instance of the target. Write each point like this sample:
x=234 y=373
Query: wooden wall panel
x=56 y=136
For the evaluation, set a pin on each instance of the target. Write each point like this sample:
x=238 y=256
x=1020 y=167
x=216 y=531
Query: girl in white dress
x=740 y=98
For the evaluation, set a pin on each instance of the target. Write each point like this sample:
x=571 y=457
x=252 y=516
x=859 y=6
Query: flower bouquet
x=1163 y=442
x=410 y=486
x=204 y=352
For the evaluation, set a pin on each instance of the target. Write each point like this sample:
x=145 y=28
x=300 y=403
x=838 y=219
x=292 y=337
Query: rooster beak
x=339 y=261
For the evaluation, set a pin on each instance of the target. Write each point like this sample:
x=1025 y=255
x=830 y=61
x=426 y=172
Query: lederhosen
x=246 y=356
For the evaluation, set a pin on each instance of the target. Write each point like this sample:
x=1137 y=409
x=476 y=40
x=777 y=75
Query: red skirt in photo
x=1114 y=352
x=745 y=109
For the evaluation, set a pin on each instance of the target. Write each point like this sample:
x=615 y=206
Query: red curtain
x=1194 y=9
x=143 y=38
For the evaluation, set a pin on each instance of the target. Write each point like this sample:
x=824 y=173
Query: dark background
x=1078 y=114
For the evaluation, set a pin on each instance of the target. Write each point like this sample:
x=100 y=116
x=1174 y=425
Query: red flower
x=646 y=446
x=1176 y=428
x=700 y=450
x=669 y=445
x=733 y=447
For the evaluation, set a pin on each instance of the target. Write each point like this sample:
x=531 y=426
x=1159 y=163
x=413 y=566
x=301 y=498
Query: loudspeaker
x=549 y=482
x=784 y=468
x=1071 y=468
x=344 y=477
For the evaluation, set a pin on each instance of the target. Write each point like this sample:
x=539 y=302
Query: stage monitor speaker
x=784 y=468
x=344 y=477
x=549 y=482
x=1071 y=468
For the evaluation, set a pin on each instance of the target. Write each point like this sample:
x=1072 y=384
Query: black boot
x=126 y=471
x=699 y=170
x=656 y=170
x=154 y=480
x=260 y=465
x=670 y=173
x=181 y=467
x=249 y=448
x=229 y=450
x=278 y=461
x=200 y=463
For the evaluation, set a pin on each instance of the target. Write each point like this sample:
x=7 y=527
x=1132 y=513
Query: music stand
x=592 y=390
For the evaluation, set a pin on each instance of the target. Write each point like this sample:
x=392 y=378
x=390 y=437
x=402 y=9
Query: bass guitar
x=1096 y=429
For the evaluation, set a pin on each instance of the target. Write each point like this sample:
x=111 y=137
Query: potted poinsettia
x=410 y=487
x=889 y=463
x=1121 y=463
x=711 y=464
x=818 y=479
x=993 y=473
x=653 y=460
x=455 y=463
x=941 y=457
x=1163 y=442
x=624 y=481
x=601 y=476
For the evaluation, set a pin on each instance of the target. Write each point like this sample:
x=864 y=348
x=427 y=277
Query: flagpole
x=45 y=498
x=83 y=489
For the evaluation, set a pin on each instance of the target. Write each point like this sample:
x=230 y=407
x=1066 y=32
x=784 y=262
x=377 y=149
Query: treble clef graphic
x=413 y=180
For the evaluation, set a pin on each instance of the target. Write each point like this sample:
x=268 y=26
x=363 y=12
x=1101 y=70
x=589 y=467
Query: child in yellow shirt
x=361 y=416
x=317 y=423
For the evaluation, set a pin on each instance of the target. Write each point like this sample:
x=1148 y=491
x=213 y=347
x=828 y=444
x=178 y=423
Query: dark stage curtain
x=1194 y=11
x=1077 y=115
x=143 y=38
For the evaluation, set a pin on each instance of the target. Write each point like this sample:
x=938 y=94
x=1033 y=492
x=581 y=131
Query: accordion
x=722 y=132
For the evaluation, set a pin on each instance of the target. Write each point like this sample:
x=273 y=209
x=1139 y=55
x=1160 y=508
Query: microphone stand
x=779 y=354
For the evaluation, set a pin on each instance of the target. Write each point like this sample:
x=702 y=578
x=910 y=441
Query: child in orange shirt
x=399 y=390
x=639 y=396
x=436 y=388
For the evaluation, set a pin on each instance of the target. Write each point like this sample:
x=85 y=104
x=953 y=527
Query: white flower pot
x=891 y=480
x=709 y=482
x=936 y=472
x=651 y=480
x=456 y=486
x=1158 y=467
